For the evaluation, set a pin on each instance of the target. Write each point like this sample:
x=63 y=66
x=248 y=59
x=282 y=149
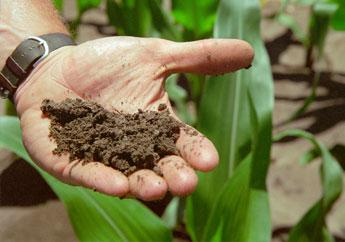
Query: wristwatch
x=26 y=57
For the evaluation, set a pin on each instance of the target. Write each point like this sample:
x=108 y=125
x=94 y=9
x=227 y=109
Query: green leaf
x=196 y=16
x=312 y=227
x=141 y=18
x=162 y=22
x=179 y=96
x=238 y=188
x=169 y=216
x=95 y=217
x=10 y=109
x=241 y=211
x=320 y=20
x=116 y=16
x=84 y=5
x=306 y=2
x=338 y=20
x=289 y=22
x=130 y=17
x=309 y=156
x=235 y=113
x=58 y=4
x=196 y=84
x=324 y=8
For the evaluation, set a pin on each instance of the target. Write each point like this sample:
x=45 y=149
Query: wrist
x=50 y=67
x=27 y=57
x=10 y=39
x=20 y=19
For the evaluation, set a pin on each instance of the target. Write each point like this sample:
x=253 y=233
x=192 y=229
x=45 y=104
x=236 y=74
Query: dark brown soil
x=126 y=142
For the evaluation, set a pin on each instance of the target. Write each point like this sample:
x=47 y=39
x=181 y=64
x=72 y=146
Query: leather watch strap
x=25 y=57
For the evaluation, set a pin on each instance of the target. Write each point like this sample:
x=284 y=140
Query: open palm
x=124 y=73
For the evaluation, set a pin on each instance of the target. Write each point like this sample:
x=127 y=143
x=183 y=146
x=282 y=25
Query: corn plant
x=231 y=203
x=324 y=14
x=312 y=227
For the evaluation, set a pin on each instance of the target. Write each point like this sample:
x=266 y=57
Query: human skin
x=120 y=73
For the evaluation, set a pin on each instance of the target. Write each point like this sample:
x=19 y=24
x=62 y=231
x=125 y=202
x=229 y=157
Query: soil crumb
x=127 y=142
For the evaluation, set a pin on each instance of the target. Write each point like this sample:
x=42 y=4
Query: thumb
x=210 y=56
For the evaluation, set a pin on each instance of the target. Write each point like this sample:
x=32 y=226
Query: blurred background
x=309 y=83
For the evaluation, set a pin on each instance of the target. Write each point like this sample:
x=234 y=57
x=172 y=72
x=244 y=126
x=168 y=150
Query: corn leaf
x=306 y=2
x=130 y=17
x=178 y=95
x=289 y=22
x=58 y=4
x=312 y=227
x=197 y=16
x=116 y=16
x=84 y=5
x=162 y=21
x=235 y=113
x=10 y=109
x=170 y=214
x=309 y=156
x=338 y=20
x=95 y=217
x=320 y=21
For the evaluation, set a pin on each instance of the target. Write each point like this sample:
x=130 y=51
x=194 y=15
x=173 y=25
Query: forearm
x=22 y=18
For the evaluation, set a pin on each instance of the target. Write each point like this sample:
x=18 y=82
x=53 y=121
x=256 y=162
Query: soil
x=127 y=142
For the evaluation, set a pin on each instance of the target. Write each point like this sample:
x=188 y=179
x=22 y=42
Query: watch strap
x=26 y=56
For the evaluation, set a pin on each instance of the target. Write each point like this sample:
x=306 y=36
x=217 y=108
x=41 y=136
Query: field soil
x=127 y=142
x=293 y=188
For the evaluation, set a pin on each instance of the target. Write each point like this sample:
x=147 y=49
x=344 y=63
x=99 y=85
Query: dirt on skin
x=126 y=142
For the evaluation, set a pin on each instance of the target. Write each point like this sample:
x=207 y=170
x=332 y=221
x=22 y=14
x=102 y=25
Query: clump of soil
x=126 y=142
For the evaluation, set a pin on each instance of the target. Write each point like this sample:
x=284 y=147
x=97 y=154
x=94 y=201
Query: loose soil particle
x=126 y=142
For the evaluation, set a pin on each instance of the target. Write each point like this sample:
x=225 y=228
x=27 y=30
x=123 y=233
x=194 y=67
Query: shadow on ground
x=331 y=108
x=22 y=185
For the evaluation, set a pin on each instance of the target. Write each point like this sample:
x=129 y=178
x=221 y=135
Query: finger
x=194 y=147
x=92 y=175
x=98 y=177
x=180 y=177
x=197 y=150
x=211 y=56
x=147 y=185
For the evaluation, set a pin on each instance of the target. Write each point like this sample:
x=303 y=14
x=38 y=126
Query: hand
x=124 y=73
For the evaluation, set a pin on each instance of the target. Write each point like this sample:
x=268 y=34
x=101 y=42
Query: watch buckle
x=46 y=49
